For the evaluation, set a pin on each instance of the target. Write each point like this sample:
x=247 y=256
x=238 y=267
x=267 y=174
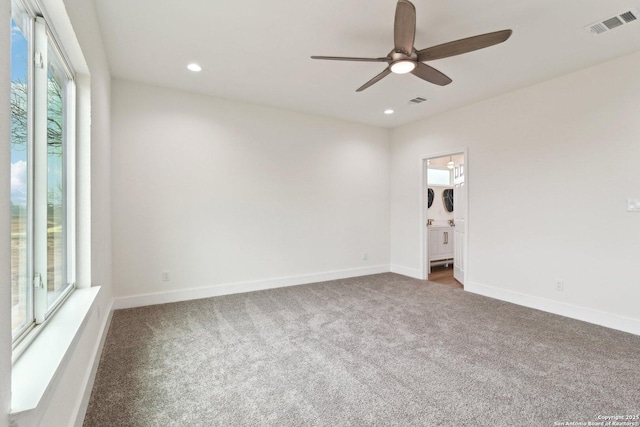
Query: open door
x=460 y=215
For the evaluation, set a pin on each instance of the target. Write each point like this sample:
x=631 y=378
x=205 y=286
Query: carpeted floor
x=375 y=350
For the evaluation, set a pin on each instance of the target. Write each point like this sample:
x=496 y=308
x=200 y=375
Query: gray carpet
x=374 y=350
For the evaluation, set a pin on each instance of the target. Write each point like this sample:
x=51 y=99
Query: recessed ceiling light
x=194 y=67
x=389 y=111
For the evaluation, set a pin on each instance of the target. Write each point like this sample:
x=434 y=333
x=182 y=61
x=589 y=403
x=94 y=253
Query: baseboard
x=609 y=320
x=241 y=287
x=406 y=271
x=91 y=374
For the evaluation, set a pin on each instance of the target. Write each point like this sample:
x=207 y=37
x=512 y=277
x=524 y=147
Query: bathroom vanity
x=441 y=245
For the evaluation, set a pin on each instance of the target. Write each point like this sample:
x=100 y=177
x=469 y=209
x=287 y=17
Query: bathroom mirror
x=447 y=199
x=430 y=195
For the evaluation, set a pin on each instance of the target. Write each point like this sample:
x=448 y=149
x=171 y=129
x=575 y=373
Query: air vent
x=598 y=28
x=613 y=22
x=417 y=100
x=628 y=17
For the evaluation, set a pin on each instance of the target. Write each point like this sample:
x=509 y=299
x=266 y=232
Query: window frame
x=18 y=9
x=41 y=38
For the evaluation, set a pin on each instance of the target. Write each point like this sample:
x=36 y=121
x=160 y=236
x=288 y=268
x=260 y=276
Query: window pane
x=56 y=226
x=21 y=306
x=438 y=176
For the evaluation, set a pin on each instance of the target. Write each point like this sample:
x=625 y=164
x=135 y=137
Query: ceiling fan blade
x=347 y=58
x=458 y=47
x=375 y=80
x=404 y=27
x=430 y=74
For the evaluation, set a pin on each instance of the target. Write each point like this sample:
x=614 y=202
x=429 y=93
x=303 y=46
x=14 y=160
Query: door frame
x=424 y=234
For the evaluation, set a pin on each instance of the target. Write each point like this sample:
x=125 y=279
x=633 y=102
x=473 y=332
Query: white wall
x=549 y=170
x=5 y=220
x=219 y=192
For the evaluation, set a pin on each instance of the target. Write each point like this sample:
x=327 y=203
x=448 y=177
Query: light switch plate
x=633 y=205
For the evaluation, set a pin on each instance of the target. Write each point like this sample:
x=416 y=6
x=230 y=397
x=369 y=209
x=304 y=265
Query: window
x=21 y=307
x=42 y=186
x=438 y=176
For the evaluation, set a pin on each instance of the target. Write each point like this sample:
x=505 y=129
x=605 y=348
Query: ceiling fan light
x=403 y=67
x=194 y=67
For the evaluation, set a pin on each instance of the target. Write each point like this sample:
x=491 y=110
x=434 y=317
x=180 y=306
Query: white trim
x=83 y=181
x=609 y=320
x=406 y=271
x=34 y=376
x=241 y=287
x=69 y=184
x=423 y=231
x=22 y=343
x=80 y=410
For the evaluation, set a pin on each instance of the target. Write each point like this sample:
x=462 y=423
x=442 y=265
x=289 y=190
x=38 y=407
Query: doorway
x=444 y=220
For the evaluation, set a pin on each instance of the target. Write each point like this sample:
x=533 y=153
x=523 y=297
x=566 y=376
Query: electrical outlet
x=559 y=285
x=365 y=256
x=165 y=276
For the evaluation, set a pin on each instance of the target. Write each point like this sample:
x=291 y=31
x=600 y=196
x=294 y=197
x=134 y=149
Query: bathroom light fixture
x=389 y=111
x=194 y=67
x=450 y=165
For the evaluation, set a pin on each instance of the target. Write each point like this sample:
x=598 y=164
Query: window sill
x=40 y=364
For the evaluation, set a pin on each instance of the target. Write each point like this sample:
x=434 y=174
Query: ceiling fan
x=404 y=58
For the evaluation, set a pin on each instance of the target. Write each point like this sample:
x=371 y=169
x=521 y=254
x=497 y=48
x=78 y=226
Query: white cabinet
x=440 y=244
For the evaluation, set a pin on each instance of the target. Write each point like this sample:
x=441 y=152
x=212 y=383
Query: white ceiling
x=258 y=51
